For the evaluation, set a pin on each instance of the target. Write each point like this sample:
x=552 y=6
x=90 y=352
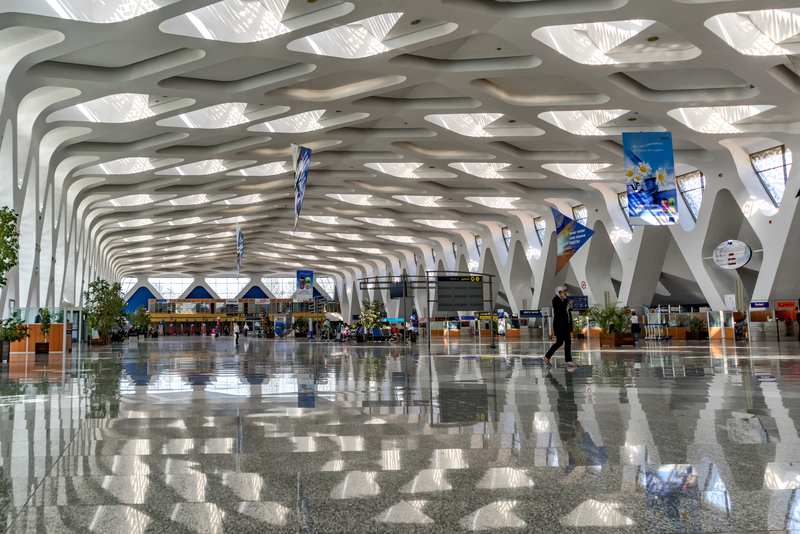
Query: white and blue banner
x=239 y=248
x=301 y=160
x=305 y=285
x=650 y=178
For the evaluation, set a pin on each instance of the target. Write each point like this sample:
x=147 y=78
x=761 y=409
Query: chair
x=376 y=334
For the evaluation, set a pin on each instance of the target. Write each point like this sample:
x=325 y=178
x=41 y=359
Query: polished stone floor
x=196 y=435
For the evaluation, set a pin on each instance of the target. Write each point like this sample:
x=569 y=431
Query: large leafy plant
x=104 y=305
x=12 y=329
x=9 y=242
x=611 y=319
x=696 y=324
x=141 y=318
x=371 y=312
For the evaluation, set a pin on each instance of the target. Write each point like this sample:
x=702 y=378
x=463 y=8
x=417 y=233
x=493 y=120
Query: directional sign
x=459 y=279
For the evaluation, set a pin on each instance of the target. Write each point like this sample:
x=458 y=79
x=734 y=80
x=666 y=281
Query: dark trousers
x=561 y=340
x=237 y=338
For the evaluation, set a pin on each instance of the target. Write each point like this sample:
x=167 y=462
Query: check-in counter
x=771 y=330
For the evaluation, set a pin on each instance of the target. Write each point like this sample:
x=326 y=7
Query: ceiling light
x=349 y=237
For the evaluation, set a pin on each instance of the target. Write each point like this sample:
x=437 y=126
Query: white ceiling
x=426 y=117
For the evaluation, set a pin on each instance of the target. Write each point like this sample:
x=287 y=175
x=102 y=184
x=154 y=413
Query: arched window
x=327 y=285
x=282 y=288
x=479 y=244
x=171 y=288
x=227 y=288
x=580 y=214
x=692 y=186
x=541 y=228
x=455 y=250
x=773 y=167
x=622 y=198
x=507 y=237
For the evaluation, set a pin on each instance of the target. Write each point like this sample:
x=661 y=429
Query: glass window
x=507 y=237
x=282 y=288
x=127 y=284
x=692 y=186
x=455 y=250
x=227 y=288
x=433 y=254
x=327 y=285
x=541 y=228
x=772 y=167
x=622 y=198
x=580 y=214
x=479 y=244
x=171 y=288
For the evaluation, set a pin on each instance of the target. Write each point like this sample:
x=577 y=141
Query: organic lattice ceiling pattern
x=144 y=126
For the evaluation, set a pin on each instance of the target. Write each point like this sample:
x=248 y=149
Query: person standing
x=635 y=327
x=236 y=331
x=562 y=326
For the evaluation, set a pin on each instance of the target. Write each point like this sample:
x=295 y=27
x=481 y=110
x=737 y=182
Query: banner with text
x=570 y=237
x=305 y=285
x=650 y=178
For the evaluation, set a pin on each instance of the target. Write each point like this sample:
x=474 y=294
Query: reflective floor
x=197 y=435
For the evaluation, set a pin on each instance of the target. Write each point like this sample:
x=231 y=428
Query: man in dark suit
x=562 y=326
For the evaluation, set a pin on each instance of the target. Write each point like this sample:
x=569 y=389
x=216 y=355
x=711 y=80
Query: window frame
x=479 y=244
x=683 y=192
x=575 y=216
x=754 y=155
x=625 y=207
x=506 y=233
x=540 y=233
x=455 y=250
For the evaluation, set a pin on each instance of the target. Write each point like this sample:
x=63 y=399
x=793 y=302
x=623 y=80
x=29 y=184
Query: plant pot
x=42 y=348
x=5 y=350
x=269 y=335
x=617 y=339
x=692 y=336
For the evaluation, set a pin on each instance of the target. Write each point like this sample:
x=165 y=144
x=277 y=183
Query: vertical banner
x=570 y=237
x=650 y=178
x=305 y=285
x=301 y=159
x=239 y=249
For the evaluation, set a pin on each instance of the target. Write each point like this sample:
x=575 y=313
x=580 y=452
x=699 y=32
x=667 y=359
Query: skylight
x=376 y=221
x=118 y=108
x=219 y=116
x=138 y=238
x=267 y=169
x=449 y=225
x=137 y=250
x=282 y=245
x=121 y=166
x=175 y=249
x=326 y=248
x=346 y=259
x=589 y=43
x=105 y=12
x=494 y=171
x=187 y=220
x=207 y=247
x=586 y=122
x=305 y=256
x=179 y=237
x=475 y=125
x=302 y=122
x=292 y=264
x=230 y=220
x=191 y=200
x=219 y=235
x=716 y=120
x=427 y=202
x=408 y=170
x=500 y=203
x=321 y=219
x=201 y=168
x=269 y=254
x=131 y=200
x=301 y=235
x=398 y=238
x=349 y=237
x=240 y=21
x=368 y=250
x=577 y=171
x=365 y=38
x=770 y=32
x=359 y=200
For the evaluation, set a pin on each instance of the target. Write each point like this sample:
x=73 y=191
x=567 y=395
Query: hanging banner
x=305 y=285
x=570 y=237
x=650 y=178
x=301 y=159
x=239 y=248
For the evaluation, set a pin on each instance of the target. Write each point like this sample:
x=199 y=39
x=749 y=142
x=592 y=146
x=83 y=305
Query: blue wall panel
x=139 y=298
x=199 y=292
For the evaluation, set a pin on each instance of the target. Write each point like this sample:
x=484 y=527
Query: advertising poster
x=301 y=159
x=570 y=237
x=239 y=248
x=305 y=285
x=650 y=178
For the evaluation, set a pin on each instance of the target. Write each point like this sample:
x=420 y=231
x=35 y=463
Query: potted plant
x=141 y=319
x=104 y=306
x=697 y=330
x=615 y=324
x=269 y=331
x=302 y=325
x=11 y=331
x=577 y=328
x=44 y=328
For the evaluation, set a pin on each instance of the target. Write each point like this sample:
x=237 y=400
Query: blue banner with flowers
x=650 y=178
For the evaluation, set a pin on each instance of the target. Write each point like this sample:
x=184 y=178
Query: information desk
x=55 y=338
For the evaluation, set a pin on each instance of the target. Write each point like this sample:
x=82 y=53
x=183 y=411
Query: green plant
x=611 y=319
x=302 y=324
x=12 y=329
x=9 y=242
x=104 y=305
x=140 y=318
x=45 y=324
x=370 y=315
x=696 y=324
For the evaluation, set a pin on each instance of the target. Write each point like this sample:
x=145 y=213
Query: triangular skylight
x=577 y=171
x=495 y=171
x=477 y=125
x=221 y=116
x=589 y=43
x=769 y=32
x=308 y=121
x=409 y=170
x=99 y=12
x=716 y=120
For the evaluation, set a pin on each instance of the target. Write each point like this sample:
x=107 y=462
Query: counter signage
x=262 y=301
x=530 y=313
x=467 y=317
x=787 y=305
x=759 y=305
x=232 y=301
x=162 y=300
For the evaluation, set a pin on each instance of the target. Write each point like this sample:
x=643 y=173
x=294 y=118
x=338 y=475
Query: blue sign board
x=579 y=303
x=759 y=305
x=530 y=313
x=467 y=317
x=392 y=320
x=162 y=300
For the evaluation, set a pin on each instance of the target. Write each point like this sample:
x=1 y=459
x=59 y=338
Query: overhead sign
x=162 y=300
x=650 y=178
x=530 y=313
x=759 y=305
x=570 y=237
x=261 y=301
x=459 y=293
x=467 y=317
x=305 y=285
x=787 y=305
x=732 y=254
x=579 y=303
x=231 y=301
